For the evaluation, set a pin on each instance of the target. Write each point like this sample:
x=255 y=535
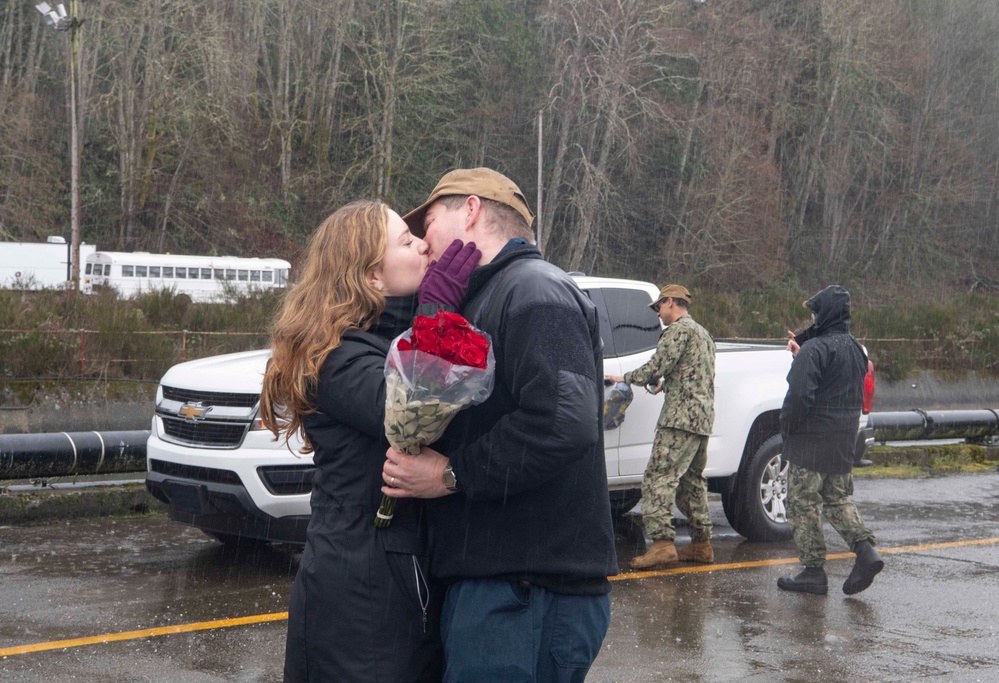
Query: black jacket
x=356 y=609
x=529 y=461
x=825 y=393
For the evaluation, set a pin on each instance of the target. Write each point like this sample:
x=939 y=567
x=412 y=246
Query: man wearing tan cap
x=683 y=367
x=519 y=512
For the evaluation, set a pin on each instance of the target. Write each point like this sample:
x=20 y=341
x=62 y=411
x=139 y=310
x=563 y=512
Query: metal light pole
x=60 y=20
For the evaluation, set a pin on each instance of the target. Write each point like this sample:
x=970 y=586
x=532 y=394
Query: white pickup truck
x=211 y=460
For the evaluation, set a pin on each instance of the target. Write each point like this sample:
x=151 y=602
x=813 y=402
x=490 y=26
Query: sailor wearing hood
x=818 y=422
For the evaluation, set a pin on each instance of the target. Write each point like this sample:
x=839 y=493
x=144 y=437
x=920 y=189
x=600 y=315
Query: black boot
x=811 y=580
x=865 y=568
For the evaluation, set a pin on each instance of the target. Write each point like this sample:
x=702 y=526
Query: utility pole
x=541 y=121
x=60 y=20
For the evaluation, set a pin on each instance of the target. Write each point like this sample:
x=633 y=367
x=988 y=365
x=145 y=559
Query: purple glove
x=447 y=279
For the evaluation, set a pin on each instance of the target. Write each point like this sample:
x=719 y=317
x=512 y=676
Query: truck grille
x=205 y=474
x=212 y=398
x=205 y=433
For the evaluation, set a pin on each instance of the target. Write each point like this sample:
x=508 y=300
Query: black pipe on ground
x=916 y=424
x=24 y=456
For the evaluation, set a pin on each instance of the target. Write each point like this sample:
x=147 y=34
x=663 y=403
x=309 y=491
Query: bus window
x=254 y=276
x=206 y=273
x=126 y=271
x=282 y=276
x=230 y=273
x=219 y=274
x=141 y=271
x=244 y=275
x=107 y=270
x=182 y=273
x=90 y=267
x=154 y=271
x=168 y=271
x=268 y=276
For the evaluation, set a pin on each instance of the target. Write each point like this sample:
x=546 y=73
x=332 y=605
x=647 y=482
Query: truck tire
x=755 y=503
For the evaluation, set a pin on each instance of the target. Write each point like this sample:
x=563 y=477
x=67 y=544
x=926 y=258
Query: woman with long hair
x=363 y=606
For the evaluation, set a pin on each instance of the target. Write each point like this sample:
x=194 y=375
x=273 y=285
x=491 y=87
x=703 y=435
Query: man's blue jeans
x=496 y=630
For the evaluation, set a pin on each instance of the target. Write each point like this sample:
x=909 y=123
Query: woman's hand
x=446 y=279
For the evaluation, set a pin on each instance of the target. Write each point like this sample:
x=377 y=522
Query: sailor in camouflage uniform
x=683 y=368
x=818 y=423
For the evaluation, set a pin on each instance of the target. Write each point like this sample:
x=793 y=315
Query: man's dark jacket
x=825 y=393
x=529 y=461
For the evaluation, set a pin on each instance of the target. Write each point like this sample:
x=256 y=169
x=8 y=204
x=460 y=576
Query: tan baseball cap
x=481 y=182
x=671 y=292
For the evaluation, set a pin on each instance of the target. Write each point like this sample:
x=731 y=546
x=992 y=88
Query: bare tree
x=609 y=56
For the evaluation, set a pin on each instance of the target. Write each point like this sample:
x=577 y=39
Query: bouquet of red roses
x=434 y=369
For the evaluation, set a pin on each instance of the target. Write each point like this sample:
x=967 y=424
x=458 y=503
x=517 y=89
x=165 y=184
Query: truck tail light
x=869 y=388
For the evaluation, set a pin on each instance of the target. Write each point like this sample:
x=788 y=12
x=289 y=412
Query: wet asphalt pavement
x=933 y=614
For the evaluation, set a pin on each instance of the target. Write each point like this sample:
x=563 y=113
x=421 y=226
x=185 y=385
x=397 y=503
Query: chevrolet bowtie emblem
x=193 y=412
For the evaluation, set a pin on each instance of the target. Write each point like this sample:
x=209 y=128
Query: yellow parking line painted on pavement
x=794 y=560
x=281 y=616
x=144 y=633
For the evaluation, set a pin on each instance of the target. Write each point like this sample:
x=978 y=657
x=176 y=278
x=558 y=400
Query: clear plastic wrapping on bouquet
x=423 y=391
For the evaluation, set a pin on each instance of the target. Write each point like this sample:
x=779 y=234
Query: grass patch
x=921 y=461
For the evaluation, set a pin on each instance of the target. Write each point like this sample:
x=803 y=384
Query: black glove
x=447 y=279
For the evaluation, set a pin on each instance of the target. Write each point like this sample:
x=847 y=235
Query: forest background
x=755 y=150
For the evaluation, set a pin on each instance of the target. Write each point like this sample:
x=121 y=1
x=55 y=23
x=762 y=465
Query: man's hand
x=792 y=345
x=414 y=476
x=655 y=388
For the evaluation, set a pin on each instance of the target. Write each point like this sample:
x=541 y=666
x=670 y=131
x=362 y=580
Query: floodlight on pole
x=61 y=20
x=57 y=17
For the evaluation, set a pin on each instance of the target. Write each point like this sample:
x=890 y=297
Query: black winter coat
x=825 y=393
x=532 y=501
x=357 y=607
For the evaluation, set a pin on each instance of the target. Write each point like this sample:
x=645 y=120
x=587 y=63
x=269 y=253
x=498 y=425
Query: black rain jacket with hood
x=825 y=394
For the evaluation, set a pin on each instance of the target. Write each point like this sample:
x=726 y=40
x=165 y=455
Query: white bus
x=203 y=278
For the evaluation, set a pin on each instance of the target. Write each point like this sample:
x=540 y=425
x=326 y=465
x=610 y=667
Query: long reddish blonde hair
x=331 y=295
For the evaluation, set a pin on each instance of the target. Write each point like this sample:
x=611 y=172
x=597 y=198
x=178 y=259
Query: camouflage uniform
x=815 y=493
x=685 y=359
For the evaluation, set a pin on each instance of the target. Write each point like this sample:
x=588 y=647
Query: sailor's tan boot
x=661 y=552
x=699 y=552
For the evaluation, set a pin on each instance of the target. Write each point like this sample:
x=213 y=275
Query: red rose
x=448 y=336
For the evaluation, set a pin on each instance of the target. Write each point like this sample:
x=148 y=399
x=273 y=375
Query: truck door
x=611 y=367
x=634 y=330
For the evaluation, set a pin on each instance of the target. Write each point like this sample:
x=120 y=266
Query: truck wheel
x=623 y=500
x=755 y=503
